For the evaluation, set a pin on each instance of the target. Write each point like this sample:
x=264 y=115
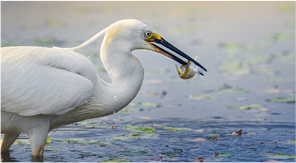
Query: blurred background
x=248 y=49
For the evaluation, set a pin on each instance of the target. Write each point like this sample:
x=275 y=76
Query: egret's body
x=45 y=88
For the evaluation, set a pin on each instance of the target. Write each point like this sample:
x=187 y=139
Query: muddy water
x=248 y=49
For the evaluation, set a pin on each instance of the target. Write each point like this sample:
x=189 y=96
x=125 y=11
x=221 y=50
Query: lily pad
x=231 y=49
x=240 y=107
x=139 y=129
x=282 y=99
x=137 y=136
x=231 y=89
x=240 y=71
x=145 y=104
x=265 y=71
x=229 y=65
x=130 y=110
x=177 y=129
x=281 y=156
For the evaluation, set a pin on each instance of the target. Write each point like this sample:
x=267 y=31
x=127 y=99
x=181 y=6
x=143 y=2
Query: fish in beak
x=188 y=71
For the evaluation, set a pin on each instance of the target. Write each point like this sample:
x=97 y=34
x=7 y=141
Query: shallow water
x=248 y=49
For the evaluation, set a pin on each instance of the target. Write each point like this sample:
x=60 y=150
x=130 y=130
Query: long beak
x=158 y=39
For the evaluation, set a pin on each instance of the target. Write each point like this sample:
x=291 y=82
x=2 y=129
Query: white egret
x=45 y=88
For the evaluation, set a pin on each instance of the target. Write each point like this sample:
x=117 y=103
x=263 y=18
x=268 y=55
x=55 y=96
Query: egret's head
x=134 y=34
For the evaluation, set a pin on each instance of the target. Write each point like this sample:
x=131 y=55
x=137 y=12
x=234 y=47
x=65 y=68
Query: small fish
x=189 y=70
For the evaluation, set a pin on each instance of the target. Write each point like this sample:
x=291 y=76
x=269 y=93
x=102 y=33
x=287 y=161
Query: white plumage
x=45 y=88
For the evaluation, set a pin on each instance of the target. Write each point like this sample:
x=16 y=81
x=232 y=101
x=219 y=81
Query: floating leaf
x=281 y=36
x=84 y=141
x=229 y=65
x=231 y=89
x=237 y=133
x=130 y=110
x=137 y=136
x=240 y=71
x=54 y=22
x=213 y=137
x=231 y=49
x=282 y=99
x=288 y=56
x=265 y=71
x=139 y=129
x=200 y=97
x=177 y=129
x=273 y=79
x=240 y=107
x=281 y=156
x=45 y=41
x=256 y=60
x=145 y=104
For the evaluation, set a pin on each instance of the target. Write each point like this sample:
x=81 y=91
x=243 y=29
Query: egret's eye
x=148 y=34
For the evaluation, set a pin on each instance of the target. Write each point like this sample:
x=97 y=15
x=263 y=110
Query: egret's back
x=37 y=80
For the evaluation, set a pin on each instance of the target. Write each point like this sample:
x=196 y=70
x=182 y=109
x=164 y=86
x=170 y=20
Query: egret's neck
x=126 y=73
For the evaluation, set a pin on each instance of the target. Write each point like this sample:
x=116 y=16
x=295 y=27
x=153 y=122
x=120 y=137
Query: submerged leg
x=37 y=137
x=7 y=140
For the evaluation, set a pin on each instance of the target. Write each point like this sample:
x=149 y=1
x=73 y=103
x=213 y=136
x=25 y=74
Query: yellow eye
x=148 y=34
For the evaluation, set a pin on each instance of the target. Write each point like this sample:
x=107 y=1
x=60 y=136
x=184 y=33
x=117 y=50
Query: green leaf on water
x=288 y=56
x=145 y=104
x=54 y=22
x=256 y=60
x=231 y=89
x=229 y=65
x=213 y=137
x=273 y=79
x=137 y=136
x=240 y=107
x=282 y=99
x=88 y=142
x=239 y=71
x=9 y=44
x=44 y=41
x=265 y=71
x=139 y=129
x=201 y=97
x=281 y=156
x=281 y=36
x=130 y=110
x=231 y=49
x=177 y=129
